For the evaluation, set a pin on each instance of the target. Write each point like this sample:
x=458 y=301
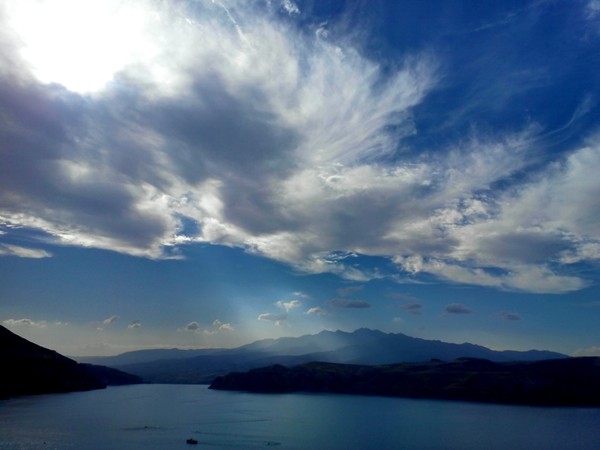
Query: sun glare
x=82 y=44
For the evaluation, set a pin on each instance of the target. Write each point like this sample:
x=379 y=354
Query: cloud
x=590 y=351
x=110 y=320
x=457 y=308
x=287 y=306
x=23 y=252
x=509 y=316
x=409 y=303
x=348 y=291
x=412 y=308
x=290 y=7
x=593 y=9
x=312 y=167
x=317 y=310
x=135 y=324
x=226 y=327
x=219 y=326
x=196 y=130
x=352 y=304
x=25 y=322
x=278 y=319
x=192 y=326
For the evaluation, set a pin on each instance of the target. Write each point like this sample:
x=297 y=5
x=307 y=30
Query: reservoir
x=164 y=416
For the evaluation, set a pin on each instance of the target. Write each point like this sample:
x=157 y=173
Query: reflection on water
x=164 y=416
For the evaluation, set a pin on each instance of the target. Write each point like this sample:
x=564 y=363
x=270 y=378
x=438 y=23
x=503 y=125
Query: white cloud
x=317 y=310
x=279 y=319
x=23 y=252
x=290 y=7
x=110 y=320
x=135 y=324
x=25 y=322
x=286 y=144
x=289 y=305
x=226 y=327
x=218 y=326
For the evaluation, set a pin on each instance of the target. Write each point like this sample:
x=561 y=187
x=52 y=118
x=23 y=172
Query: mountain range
x=363 y=346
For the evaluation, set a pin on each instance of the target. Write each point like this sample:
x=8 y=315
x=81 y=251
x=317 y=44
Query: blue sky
x=207 y=173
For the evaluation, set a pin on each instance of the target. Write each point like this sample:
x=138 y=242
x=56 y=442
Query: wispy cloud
x=589 y=351
x=352 y=304
x=412 y=308
x=318 y=311
x=278 y=319
x=289 y=305
x=290 y=7
x=110 y=320
x=23 y=252
x=457 y=308
x=135 y=324
x=504 y=315
x=348 y=291
x=593 y=9
x=408 y=303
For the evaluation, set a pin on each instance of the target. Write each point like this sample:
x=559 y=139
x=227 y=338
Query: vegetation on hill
x=573 y=381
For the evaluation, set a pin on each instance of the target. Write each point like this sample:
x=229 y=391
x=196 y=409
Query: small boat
x=192 y=441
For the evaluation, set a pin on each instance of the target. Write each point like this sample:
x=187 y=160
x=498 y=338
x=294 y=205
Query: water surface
x=164 y=416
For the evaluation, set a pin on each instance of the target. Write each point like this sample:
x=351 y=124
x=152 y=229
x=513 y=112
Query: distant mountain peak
x=362 y=346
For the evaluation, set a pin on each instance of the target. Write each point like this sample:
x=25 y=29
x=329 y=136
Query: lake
x=164 y=416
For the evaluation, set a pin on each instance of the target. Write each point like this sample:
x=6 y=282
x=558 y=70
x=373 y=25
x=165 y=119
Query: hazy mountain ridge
x=28 y=368
x=363 y=346
x=567 y=382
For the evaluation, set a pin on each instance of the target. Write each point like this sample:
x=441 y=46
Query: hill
x=573 y=381
x=362 y=346
x=28 y=368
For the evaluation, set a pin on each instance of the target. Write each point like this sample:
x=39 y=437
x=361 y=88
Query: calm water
x=164 y=416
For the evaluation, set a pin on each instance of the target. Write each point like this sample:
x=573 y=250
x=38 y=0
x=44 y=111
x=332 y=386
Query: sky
x=206 y=173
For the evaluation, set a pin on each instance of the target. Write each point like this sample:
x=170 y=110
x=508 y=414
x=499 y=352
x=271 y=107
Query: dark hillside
x=573 y=381
x=28 y=368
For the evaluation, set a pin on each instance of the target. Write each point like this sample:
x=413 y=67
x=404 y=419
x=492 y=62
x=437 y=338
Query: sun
x=82 y=44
